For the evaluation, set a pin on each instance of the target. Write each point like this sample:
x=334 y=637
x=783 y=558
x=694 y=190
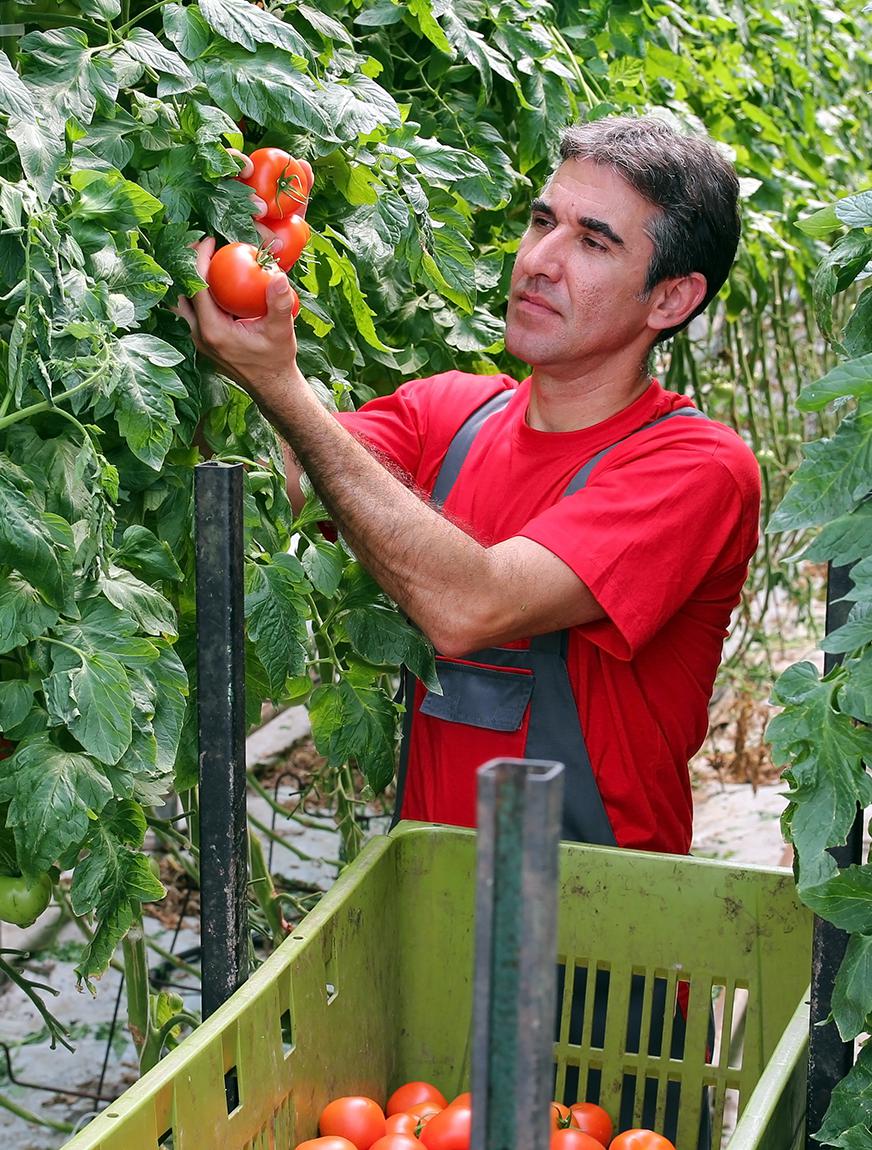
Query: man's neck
x=558 y=404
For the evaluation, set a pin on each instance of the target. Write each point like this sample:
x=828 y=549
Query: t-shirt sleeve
x=394 y=425
x=644 y=535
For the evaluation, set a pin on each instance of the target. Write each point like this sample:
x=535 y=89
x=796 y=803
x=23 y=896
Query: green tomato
x=23 y=899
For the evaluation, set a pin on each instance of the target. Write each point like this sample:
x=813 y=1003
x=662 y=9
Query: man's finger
x=247 y=169
x=185 y=311
x=205 y=249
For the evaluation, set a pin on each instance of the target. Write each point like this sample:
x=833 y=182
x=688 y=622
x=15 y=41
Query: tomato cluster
x=239 y=273
x=417 y=1114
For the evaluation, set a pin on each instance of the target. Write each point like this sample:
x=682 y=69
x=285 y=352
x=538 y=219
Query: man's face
x=580 y=272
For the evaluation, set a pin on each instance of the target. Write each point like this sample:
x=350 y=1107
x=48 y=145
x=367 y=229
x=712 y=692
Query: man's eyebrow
x=543 y=208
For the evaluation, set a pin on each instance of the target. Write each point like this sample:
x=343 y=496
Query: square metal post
x=221 y=728
x=520 y=803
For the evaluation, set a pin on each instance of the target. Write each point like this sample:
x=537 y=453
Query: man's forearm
x=431 y=568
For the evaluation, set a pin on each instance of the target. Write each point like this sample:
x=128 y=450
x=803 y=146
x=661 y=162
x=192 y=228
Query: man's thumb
x=279 y=293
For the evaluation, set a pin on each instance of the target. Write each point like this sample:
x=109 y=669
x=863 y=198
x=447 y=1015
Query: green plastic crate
x=374 y=988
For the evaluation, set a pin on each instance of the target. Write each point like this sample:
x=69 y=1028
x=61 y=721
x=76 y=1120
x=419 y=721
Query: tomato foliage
x=822 y=735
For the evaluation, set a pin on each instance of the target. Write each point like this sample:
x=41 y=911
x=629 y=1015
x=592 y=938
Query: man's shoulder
x=681 y=424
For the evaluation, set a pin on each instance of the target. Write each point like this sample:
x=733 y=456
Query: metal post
x=829 y=1059
x=221 y=727
x=520 y=803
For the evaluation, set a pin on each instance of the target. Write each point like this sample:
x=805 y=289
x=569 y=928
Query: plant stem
x=48 y=405
x=36 y=1119
x=136 y=983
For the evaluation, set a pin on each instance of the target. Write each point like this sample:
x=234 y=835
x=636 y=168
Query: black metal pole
x=221 y=727
x=829 y=1059
x=520 y=805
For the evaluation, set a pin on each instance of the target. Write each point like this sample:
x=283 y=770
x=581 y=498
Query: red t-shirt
x=661 y=534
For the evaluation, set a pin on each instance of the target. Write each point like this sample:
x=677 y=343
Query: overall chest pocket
x=494 y=698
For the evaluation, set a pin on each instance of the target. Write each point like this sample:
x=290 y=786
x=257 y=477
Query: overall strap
x=579 y=480
x=459 y=446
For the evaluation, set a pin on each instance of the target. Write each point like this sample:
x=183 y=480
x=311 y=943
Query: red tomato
x=571 y=1139
x=293 y=232
x=281 y=182
x=641 y=1140
x=592 y=1119
x=560 y=1116
x=238 y=276
x=397 y=1142
x=356 y=1118
x=401 y=1124
x=424 y=1111
x=331 y=1143
x=413 y=1094
x=449 y=1129
x=464 y=1099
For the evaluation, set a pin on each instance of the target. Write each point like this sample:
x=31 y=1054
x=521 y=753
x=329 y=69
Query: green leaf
x=69 y=78
x=24 y=614
x=420 y=13
x=187 y=29
x=133 y=275
x=173 y=251
x=16 y=700
x=108 y=196
x=441 y=162
x=145 y=385
x=821 y=223
x=835 y=475
x=15 y=98
x=857 y=336
x=359 y=724
x=267 y=89
x=100 y=951
x=145 y=47
x=152 y=611
x=826 y=754
x=243 y=23
x=171 y=682
x=852 y=992
x=111 y=872
x=323 y=563
x=845 y=899
x=147 y=556
x=845 y=539
x=382 y=636
x=94 y=701
x=276 y=613
x=853 y=377
x=856 y=633
x=53 y=795
x=344 y=273
x=41 y=149
x=855 y=694
x=324 y=24
x=358 y=106
x=855 y=211
x=27 y=541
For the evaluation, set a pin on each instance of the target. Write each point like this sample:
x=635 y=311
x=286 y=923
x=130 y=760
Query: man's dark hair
x=694 y=185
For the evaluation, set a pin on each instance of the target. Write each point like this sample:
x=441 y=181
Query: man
x=627 y=581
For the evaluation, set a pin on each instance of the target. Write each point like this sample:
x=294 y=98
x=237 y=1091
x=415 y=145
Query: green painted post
x=520 y=802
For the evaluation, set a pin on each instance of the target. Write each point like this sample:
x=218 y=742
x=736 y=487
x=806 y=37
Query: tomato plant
x=560 y=1116
x=412 y=1094
x=592 y=1119
x=640 y=1140
x=568 y=1138
x=23 y=899
x=449 y=1129
x=282 y=182
x=355 y=1117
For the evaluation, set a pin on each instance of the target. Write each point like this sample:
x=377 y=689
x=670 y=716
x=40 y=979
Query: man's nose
x=544 y=256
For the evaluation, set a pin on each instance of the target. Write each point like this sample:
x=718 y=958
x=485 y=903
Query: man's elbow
x=462 y=632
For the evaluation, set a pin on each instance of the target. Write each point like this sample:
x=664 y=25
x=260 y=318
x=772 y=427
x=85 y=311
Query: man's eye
x=540 y=221
x=595 y=245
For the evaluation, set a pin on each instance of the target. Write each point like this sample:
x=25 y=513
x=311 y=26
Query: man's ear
x=673 y=300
